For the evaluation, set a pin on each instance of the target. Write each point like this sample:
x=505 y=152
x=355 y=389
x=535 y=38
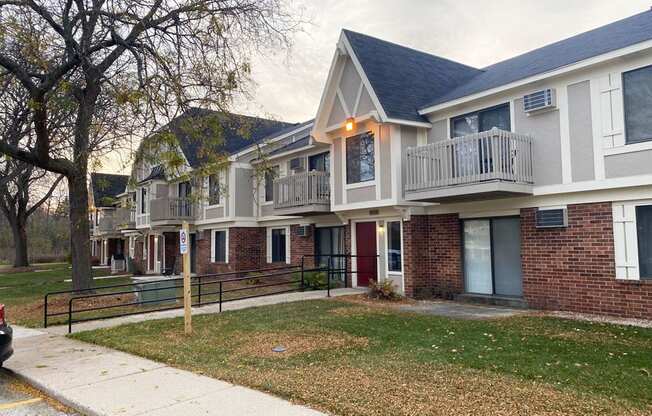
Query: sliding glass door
x=492 y=256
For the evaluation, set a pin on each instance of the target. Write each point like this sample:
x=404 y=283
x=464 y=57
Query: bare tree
x=153 y=57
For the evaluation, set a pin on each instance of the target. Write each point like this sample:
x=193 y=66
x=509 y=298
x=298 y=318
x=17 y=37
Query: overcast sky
x=474 y=32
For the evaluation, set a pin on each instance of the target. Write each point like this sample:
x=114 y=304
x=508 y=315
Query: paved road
x=20 y=399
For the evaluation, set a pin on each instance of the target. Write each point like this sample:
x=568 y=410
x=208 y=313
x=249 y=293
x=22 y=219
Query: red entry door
x=151 y=252
x=365 y=244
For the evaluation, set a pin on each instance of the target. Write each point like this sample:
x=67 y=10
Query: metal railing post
x=346 y=271
x=70 y=315
x=199 y=291
x=45 y=311
x=302 y=278
x=328 y=287
x=220 y=296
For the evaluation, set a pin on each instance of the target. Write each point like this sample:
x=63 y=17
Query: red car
x=6 y=335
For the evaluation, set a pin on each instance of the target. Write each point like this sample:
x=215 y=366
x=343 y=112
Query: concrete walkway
x=100 y=381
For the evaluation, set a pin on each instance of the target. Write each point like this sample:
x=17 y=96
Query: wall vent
x=303 y=231
x=540 y=100
x=552 y=218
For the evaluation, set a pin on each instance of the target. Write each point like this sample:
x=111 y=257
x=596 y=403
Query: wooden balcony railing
x=307 y=188
x=163 y=209
x=487 y=156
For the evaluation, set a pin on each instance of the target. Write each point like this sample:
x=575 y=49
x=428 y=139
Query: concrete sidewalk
x=100 y=381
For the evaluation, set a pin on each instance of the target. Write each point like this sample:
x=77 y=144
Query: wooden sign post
x=184 y=236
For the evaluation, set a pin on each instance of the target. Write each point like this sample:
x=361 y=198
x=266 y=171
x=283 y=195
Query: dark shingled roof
x=157 y=172
x=255 y=129
x=106 y=187
x=405 y=79
x=297 y=144
x=617 y=35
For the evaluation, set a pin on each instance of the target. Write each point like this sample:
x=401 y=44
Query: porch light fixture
x=381 y=227
x=350 y=124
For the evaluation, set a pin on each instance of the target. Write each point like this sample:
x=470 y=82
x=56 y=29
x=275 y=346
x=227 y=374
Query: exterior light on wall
x=381 y=227
x=350 y=124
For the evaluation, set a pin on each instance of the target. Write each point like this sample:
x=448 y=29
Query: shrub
x=135 y=267
x=316 y=280
x=48 y=259
x=384 y=290
x=95 y=261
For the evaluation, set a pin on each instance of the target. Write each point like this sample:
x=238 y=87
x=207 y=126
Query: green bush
x=317 y=280
x=384 y=290
x=95 y=261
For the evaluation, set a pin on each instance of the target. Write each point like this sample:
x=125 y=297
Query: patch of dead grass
x=260 y=344
x=445 y=390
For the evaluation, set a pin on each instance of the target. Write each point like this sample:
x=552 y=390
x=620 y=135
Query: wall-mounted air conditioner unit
x=552 y=218
x=303 y=231
x=540 y=100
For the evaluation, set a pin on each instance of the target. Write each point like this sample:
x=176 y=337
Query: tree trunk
x=82 y=278
x=18 y=229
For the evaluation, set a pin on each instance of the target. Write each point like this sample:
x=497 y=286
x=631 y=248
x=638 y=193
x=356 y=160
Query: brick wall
x=300 y=246
x=432 y=256
x=246 y=251
x=573 y=268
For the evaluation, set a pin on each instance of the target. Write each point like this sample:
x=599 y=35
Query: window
x=637 y=99
x=279 y=252
x=360 y=164
x=270 y=175
x=143 y=200
x=320 y=162
x=644 y=237
x=220 y=246
x=482 y=120
x=185 y=189
x=214 y=190
x=394 y=263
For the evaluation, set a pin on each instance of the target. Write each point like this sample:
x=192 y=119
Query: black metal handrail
x=202 y=283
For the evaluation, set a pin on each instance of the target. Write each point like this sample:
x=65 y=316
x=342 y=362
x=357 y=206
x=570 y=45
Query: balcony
x=172 y=210
x=125 y=218
x=302 y=194
x=106 y=224
x=488 y=165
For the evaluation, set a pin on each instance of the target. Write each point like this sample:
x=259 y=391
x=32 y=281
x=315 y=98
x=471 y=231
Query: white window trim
x=288 y=255
x=628 y=148
x=226 y=240
x=630 y=242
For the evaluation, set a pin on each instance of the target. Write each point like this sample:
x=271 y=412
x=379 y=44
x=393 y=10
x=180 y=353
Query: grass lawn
x=353 y=357
x=22 y=293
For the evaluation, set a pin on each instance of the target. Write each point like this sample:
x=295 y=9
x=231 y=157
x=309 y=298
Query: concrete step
x=508 y=301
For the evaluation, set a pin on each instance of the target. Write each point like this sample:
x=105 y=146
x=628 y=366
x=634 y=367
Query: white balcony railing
x=487 y=156
x=163 y=209
x=307 y=188
x=125 y=217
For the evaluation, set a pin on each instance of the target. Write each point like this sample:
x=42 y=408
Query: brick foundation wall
x=432 y=256
x=573 y=268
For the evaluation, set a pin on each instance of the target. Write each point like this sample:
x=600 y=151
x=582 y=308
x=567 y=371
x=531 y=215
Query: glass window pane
x=220 y=246
x=394 y=246
x=477 y=257
x=360 y=163
x=644 y=236
x=637 y=97
x=213 y=190
x=278 y=245
x=270 y=175
x=463 y=125
x=496 y=117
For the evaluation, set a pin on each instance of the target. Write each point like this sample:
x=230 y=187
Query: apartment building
x=111 y=212
x=527 y=181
